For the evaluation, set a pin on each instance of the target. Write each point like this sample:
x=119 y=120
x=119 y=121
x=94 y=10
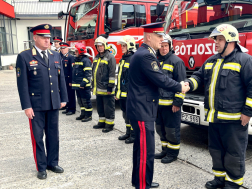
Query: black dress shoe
x=153 y=185
x=42 y=175
x=70 y=113
x=65 y=112
x=55 y=169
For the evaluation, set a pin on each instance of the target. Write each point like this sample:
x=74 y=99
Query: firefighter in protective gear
x=169 y=112
x=226 y=77
x=81 y=81
x=128 y=49
x=103 y=85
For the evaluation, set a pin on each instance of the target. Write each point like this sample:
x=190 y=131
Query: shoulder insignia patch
x=149 y=49
x=18 y=72
x=34 y=52
x=154 y=66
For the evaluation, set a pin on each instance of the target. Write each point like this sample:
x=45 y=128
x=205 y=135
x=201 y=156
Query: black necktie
x=45 y=57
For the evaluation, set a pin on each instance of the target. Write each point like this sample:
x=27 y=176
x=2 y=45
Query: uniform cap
x=51 y=43
x=157 y=28
x=42 y=30
x=57 y=39
x=64 y=45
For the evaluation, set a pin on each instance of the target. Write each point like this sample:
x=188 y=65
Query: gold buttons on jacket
x=48 y=68
x=32 y=94
x=52 y=91
x=51 y=83
x=153 y=100
x=50 y=76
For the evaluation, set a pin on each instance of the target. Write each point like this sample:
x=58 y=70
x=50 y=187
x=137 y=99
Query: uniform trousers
x=106 y=110
x=143 y=153
x=71 y=105
x=84 y=101
x=227 y=146
x=168 y=128
x=45 y=121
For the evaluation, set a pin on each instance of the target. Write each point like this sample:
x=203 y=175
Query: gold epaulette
x=25 y=50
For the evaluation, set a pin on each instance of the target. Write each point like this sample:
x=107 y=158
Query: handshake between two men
x=185 y=87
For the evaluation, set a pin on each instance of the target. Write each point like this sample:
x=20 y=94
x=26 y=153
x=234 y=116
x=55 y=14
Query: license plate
x=190 y=118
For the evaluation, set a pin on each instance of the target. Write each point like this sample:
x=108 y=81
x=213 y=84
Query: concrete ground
x=92 y=159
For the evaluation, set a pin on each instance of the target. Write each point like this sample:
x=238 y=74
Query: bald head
x=153 y=40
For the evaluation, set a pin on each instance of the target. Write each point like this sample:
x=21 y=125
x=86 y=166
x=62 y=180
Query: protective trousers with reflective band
x=84 y=102
x=71 y=105
x=127 y=121
x=143 y=153
x=45 y=122
x=168 y=128
x=106 y=110
x=227 y=146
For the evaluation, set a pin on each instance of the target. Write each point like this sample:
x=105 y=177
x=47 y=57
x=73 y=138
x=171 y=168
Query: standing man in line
x=42 y=90
x=81 y=81
x=142 y=102
x=67 y=61
x=104 y=66
x=50 y=46
x=128 y=46
x=227 y=79
x=57 y=41
x=169 y=106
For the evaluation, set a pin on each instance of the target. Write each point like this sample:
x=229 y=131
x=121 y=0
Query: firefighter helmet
x=168 y=39
x=81 y=48
x=129 y=41
x=102 y=41
x=229 y=32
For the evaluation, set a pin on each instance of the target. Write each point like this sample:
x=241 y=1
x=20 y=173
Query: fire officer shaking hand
x=169 y=113
x=104 y=66
x=42 y=91
x=228 y=105
x=145 y=77
x=81 y=81
x=128 y=48
x=67 y=61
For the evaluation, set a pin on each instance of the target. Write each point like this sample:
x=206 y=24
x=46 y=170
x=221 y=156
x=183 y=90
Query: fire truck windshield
x=82 y=21
x=203 y=19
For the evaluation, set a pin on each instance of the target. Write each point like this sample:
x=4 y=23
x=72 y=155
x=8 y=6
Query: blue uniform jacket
x=67 y=62
x=145 y=77
x=40 y=86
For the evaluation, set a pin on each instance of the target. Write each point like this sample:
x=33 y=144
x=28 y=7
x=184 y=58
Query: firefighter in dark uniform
x=128 y=48
x=227 y=79
x=81 y=81
x=169 y=113
x=42 y=91
x=104 y=66
x=67 y=62
x=57 y=41
x=145 y=77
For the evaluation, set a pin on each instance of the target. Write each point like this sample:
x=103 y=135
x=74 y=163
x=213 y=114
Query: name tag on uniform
x=33 y=63
x=56 y=62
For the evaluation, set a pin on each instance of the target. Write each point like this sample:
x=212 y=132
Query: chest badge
x=59 y=71
x=33 y=63
x=65 y=64
x=35 y=72
x=18 y=72
x=154 y=66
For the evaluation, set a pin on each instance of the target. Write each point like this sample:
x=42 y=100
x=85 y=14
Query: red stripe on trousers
x=142 y=166
x=33 y=144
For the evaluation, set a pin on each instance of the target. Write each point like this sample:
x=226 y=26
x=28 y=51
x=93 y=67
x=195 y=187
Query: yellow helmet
x=168 y=39
x=230 y=33
x=102 y=41
x=129 y=41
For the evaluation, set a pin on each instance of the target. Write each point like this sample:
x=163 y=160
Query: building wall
x=22 y=25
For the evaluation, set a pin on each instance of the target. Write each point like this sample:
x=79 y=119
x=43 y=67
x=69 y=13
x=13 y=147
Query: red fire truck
x=188 y=22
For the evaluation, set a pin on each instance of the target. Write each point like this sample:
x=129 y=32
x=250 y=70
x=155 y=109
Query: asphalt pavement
x=92 y=159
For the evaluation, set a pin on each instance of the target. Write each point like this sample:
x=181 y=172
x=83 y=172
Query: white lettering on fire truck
x=196 y=49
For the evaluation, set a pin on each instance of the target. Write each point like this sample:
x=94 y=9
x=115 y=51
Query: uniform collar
x=124 y=56
x=39 y=51
x=149 y=48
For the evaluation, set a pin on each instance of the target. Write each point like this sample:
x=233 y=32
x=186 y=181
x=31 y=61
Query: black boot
x=231 y=185
x=127 y=135
x=107 y=129
x=162 y=154
x=81 y=116
x=99 y=126
x=168 y=159
x=87 y=118
x=218 y=182
x=131 y=139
